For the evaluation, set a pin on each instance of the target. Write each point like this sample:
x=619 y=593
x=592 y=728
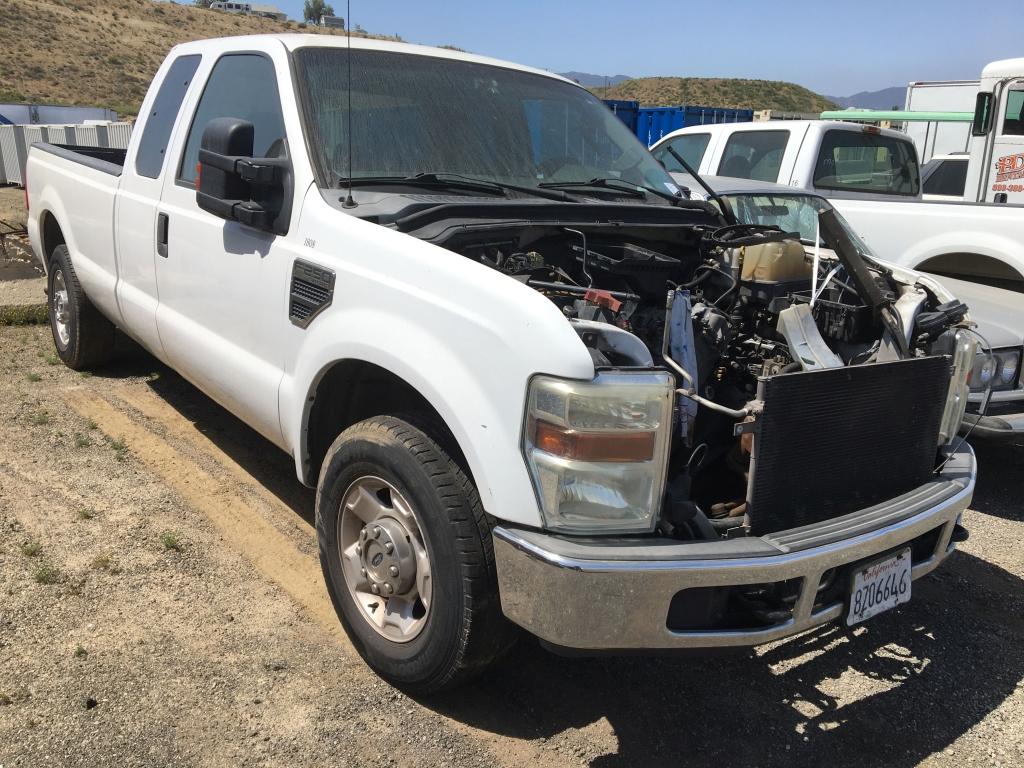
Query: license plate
x=877 y=587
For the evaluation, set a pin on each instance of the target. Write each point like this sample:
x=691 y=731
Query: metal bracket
x=805 y=342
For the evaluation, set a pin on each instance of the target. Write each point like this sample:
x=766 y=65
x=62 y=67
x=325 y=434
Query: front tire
x=406 y=552
x=84 y=338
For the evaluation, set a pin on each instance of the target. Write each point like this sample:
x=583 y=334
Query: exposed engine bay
x=725 y=308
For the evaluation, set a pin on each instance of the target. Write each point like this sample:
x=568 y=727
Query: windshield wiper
x=614 y=185
x=712 y=195
x=454 y=181
x=611 y=185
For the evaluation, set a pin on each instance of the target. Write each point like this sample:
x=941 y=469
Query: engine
x=725 y=308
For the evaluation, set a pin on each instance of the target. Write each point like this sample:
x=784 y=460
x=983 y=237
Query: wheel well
x=971 y=266
x=353 y=390
x=52 y=235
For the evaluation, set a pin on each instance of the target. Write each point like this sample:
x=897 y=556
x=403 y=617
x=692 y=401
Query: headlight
x=983 y=371
x=964 y=359
x=998 y=370
x=597 y=450
x=1006 y=374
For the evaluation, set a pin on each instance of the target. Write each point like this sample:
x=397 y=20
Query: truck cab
x=996 y=169
x=834 y=159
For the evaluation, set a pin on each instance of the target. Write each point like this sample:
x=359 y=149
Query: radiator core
x=837 y=440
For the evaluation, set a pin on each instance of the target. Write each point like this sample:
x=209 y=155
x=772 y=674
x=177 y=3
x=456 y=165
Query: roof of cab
x=778 y=125
x=293 y=42
x=1004 y=68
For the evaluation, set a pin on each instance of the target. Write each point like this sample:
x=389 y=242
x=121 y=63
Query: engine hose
x=790 y=367
x=705 y=273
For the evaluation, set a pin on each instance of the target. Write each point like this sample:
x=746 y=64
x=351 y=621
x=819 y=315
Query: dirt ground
x=12 y=206
x=161 y=604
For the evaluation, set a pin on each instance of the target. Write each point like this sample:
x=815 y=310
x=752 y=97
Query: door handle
x=161 y=234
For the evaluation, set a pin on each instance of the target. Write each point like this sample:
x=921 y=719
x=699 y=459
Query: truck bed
x=932 y=235
x=106 y=159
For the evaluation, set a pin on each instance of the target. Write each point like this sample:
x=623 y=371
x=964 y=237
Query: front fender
x=466 y=337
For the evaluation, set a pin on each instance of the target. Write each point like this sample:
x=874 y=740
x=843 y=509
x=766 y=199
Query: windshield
x=415 y=114
x=789 y=212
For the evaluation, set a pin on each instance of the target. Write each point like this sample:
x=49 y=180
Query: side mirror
x=982 y=122
x=234 y=185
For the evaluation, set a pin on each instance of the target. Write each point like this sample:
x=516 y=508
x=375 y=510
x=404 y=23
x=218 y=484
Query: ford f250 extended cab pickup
x=531 y=383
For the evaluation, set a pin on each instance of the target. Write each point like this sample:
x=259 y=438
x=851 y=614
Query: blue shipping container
x=626 y=111
x=651 y=123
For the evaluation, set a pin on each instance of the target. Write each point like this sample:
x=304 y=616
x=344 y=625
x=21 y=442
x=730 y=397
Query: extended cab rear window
x=689 y=146
x=856 y=161
x=754 y=155
x=153 y=145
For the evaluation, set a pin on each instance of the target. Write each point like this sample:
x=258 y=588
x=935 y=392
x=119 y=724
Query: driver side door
x=223 y=285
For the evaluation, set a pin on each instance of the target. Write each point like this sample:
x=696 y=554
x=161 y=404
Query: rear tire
x=423 y=613
x=84 y=338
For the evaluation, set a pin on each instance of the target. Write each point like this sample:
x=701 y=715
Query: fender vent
x=312 y=291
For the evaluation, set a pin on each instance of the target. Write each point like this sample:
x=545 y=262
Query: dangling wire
x=817 y=261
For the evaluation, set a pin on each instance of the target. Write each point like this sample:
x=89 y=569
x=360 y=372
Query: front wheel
x=407 y=555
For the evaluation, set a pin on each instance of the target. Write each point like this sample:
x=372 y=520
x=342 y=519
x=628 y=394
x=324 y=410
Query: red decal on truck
x=1010 y=167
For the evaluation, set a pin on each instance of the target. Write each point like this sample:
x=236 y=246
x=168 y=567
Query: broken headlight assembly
x=597 y=450
x=997 y=370
x=965 y=350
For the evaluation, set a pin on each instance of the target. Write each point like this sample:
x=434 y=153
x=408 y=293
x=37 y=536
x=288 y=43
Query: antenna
x=349 y=202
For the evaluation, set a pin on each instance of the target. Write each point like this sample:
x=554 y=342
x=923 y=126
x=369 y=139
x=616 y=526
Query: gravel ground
x=161 y=605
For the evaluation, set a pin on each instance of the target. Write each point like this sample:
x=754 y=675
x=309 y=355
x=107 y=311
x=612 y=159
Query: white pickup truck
x=532 y=384
x=871 y=175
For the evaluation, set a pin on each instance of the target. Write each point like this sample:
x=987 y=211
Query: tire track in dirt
x=274 y=554
x=247 y=531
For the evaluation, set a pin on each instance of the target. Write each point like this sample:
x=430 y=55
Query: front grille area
x=835 y=441
x=750 y=607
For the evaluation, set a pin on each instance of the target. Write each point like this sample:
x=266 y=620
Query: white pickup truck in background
x=871 y=175
x=530 y=381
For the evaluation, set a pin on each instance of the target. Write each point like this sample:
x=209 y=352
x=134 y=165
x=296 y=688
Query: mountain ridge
x=884 y=98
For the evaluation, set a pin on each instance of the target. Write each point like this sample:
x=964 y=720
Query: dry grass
x=104 y=52
x=733 y=93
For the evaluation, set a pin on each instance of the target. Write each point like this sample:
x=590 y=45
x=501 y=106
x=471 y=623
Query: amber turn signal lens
x=593 y=446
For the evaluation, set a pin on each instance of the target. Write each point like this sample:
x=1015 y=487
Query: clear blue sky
x=832 y=47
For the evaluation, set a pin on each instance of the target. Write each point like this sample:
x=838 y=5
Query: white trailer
x=940 y=138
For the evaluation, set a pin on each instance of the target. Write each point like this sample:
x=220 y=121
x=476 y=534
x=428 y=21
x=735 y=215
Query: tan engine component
x=772 y=262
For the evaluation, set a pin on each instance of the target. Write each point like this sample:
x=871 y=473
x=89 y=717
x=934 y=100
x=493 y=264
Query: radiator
x=834 y=441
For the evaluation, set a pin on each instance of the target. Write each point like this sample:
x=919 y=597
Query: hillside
x=103 y=52
x=718 y=92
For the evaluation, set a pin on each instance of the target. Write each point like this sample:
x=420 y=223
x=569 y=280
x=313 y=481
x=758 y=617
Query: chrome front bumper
x=603 y=596
x=1004 y=421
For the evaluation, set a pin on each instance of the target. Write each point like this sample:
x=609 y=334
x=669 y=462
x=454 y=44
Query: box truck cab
x=996 y=170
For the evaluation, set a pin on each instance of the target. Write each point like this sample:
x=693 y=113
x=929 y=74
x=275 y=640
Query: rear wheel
x=406 y=552
x=84 y=338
